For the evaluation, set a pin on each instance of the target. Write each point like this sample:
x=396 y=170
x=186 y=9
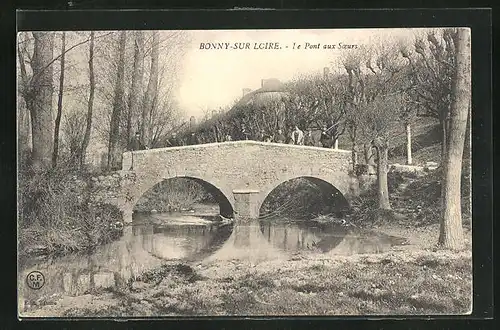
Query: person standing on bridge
x=308 y=139
x=261 y=136
x=268 y=138
x=244 y=133
x=298 y=136
x=135 y=143
x=279 y=137
x=174 y=141
x=325 y=139
x=193 y=139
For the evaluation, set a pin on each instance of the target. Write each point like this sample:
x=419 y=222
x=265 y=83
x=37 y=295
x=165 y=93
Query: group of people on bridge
x=296 y=137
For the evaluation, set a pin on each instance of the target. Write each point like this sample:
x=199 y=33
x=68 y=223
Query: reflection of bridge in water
x=142 y=247
x=145 y=246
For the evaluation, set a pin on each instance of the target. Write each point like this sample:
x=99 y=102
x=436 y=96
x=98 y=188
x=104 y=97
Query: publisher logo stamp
x=35 y=280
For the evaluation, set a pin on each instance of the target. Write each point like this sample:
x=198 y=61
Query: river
x=152 y=239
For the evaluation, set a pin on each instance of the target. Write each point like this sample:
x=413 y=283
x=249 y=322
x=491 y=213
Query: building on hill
x=270 y=90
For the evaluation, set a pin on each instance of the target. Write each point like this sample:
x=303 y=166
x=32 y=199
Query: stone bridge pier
x=246 y=204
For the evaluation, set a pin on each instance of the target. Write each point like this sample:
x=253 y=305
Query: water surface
x=152 y=239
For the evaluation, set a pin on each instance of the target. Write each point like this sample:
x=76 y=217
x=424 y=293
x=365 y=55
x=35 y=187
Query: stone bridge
x=239 y=174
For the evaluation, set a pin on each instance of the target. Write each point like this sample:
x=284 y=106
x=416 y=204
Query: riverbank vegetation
x=174 y=195
x=78 y=110
x=57 y=215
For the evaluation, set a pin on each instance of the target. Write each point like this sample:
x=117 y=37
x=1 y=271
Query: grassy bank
x=398 y=282
x=415 y=201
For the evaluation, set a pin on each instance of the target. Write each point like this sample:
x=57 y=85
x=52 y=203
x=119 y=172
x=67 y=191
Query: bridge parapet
x=227 y=168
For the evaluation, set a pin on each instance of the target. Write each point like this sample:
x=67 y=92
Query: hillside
x=426 y=143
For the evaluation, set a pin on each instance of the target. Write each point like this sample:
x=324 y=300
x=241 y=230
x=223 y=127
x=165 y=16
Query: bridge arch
x=219 y=194
x=332 y=191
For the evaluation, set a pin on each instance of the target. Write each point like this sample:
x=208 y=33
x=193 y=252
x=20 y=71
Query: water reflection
x=335 y=238
x=303 y=235
x=151 y=239
x=144 y=245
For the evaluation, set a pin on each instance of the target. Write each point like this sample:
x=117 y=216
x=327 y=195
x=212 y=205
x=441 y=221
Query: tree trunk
x=23 y=127
x=451 y=235
x=382 y=169
x=22 y=108
x=150 y=92
x=354 y=157
x=88 y=127
x=444 y=138
x=114 y=152
x=59 y=101
x=467 y=145
x=336 y=144
x=370 y=163
x=137 y=76
x=41 y=91
x=409 y=159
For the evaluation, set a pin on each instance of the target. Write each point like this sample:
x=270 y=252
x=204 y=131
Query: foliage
x=57 y=215
x=432 y=66
x=308 y=101
x=173 y=194
x=415 y=198
x=296 y=199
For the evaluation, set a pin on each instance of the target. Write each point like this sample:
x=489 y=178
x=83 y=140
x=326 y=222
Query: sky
x=214 y=78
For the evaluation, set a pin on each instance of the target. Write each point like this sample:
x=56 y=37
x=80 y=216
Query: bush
x=173 y=194
x=298 y=199
x=56 y=213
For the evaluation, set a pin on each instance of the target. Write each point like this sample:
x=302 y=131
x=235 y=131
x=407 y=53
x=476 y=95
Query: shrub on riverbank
x=173 y=194
x=56 y=214
x=415 y=201
x=296 y=199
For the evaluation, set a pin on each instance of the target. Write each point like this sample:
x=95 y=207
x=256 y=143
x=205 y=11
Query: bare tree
x=320 y=101
x=432 y=68
x=39 y=97
x=59 y=100
x=353 y=63
x=151 y=91
x=451 y=235
x=73 y=130
x=376 y=91
x=90 y=105
x=380 y=121
x=23 y=89
x=114 y=152
x=137 y=76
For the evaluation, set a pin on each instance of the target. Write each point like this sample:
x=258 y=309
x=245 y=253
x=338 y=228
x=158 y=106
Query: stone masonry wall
x=230 y=166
